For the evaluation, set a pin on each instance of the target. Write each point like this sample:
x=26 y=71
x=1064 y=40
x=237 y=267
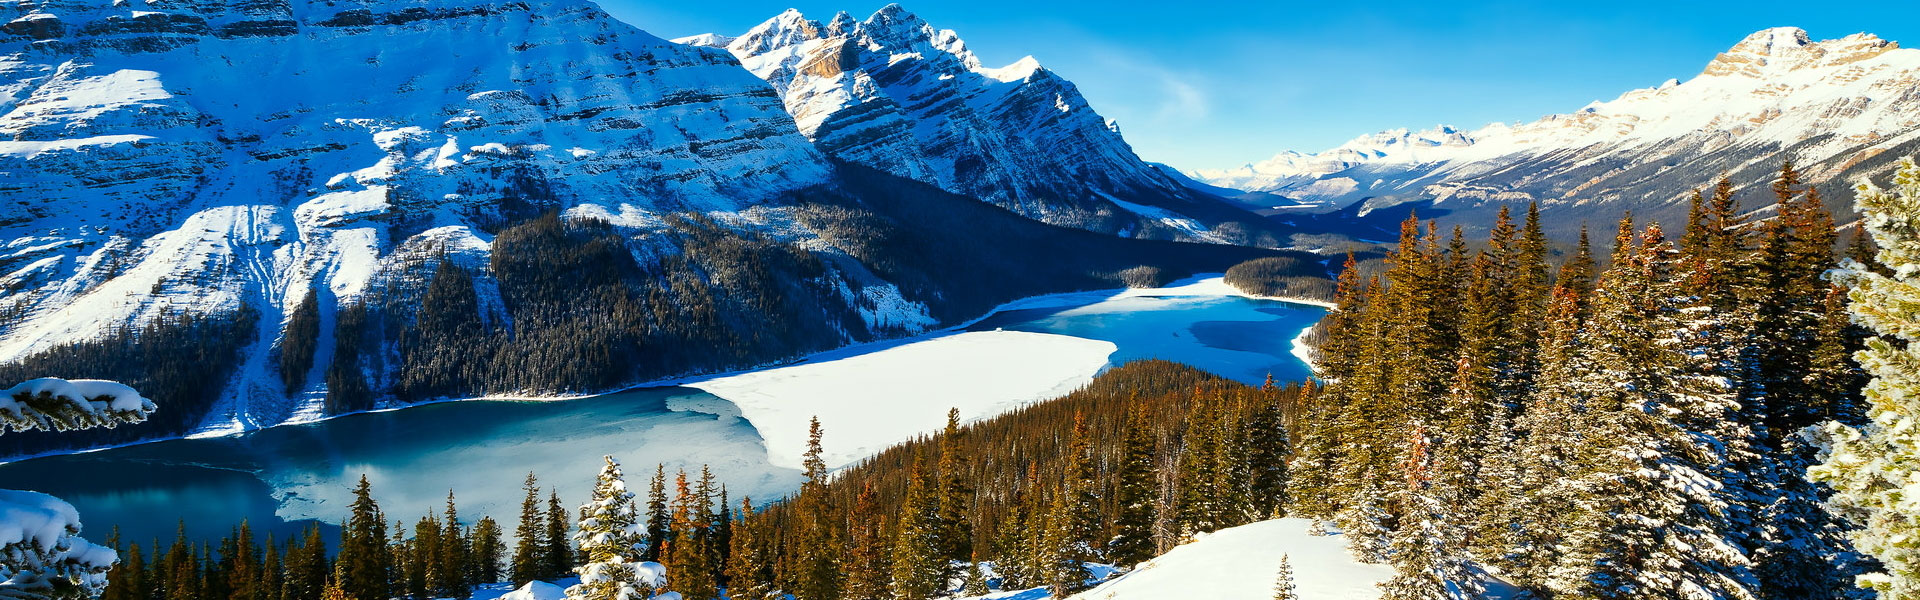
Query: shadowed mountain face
x=896 y=94
x=1839 y=109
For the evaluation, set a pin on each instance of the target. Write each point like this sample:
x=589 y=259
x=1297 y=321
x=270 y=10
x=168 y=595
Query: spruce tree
x=1283 y=586
x=488 y=551
x=817 y=572
x=659 y=522
x=919 y=564
x=529 y=544
x=609 y=535
x=558 y=553
x=1135 y=493
x=367 y=563
x=869 y=564
x=1659 y=427
x=687 y=554
x=956 y=494
x=749 y=574
x=454 y=556
x=1871 y=467
x=1427 y=565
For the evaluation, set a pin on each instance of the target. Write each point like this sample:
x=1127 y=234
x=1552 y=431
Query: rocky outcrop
x=1840 y=109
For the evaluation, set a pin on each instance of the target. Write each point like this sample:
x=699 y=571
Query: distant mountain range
x=1840 y=109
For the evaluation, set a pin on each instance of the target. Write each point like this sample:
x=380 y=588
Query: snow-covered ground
x=867 y=400
x=1240 y=564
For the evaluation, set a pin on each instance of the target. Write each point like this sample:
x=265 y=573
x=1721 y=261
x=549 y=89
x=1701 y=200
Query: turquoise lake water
x=281 y=479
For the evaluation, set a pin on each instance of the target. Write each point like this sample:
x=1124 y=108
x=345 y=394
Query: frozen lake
x=744 y=425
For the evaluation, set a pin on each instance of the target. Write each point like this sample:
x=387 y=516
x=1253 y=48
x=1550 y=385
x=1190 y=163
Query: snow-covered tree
x=1872 y=468
x=610 y=536
x=1655 y=514
x=42 y=555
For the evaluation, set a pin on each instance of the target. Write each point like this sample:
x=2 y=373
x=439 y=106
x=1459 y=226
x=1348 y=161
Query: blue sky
x=1217 y=84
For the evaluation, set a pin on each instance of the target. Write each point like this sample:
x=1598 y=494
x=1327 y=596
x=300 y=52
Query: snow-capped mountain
x=167 y=160
x=1840 y=109
x=165 y=157
x=894 y=93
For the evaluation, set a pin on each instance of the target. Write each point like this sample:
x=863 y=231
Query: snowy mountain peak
x=1788 y=48
x=895 y=93
x=1836 y=107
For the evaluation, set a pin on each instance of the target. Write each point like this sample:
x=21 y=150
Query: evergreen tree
x=1426 y=565
x=609 y=534
x=687 y=554
x=488 y=552
x=1267 y=452
x=1654 y=519
x=529 y=537
x=1870 y=467
x=1135 y=494
x=307 y=568
x=749 y=576
x=366 y=562
x=455 y=570
x=659 y=523
x=956 y=494
x=558 y=554
x=919 y=566
x=1283 y=587
x=869 y=568
x=817 y=574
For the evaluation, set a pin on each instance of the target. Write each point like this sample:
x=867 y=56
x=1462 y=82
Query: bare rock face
x=1840 y=109
x=894 y=93
x=163 y=157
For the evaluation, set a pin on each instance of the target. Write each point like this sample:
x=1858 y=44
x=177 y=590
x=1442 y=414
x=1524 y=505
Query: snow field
x=867 y=400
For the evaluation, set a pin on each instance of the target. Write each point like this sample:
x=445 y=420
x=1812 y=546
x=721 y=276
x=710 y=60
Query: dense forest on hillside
x=184 y=360
x=1626 y=432
x=576 y=305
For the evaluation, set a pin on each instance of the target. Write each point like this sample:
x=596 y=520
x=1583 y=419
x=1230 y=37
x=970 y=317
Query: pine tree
x=558 y=554
x=529 y=538
x=956 y=494
x=869 y=568
x=609 y=534
x=919 y=567
x=687 y=554
x=1135 y=494
x=1654 y=517
x=1283 y=587
x=659 y=523
x=488 y=551
x=1870 y=467
x=749 y=574
x=367 y=564
x=1426 y=564
x=307 y=568
x=454 y=557
x=817 y=574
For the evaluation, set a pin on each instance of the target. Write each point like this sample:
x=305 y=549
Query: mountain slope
x=1840 y=109
x=896 y=94
x=153 y=171
x=481 y=198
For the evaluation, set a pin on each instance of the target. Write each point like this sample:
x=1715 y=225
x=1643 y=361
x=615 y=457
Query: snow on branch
x=60 y=405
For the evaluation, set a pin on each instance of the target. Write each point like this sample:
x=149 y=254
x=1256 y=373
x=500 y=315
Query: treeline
x=1279 y=276
x=1146 y=455
x=182 y=361
x=1629 y=432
